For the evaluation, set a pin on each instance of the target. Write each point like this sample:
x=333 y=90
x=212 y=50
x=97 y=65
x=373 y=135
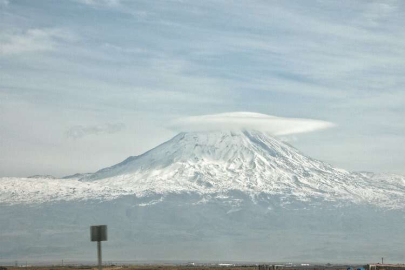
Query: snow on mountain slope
x=216 y=163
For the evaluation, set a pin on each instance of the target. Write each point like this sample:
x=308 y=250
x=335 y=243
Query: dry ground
x=137 y=267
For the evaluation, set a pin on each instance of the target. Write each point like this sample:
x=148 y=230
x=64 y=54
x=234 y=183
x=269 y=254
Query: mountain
x=42 y=176
x=76 y=175
x=212 y=163
x=230 y=195
x=248 y=161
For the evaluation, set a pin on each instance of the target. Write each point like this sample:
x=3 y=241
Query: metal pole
x=99 y=254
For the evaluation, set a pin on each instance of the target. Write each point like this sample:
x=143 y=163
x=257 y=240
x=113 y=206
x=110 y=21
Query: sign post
x=97 y=234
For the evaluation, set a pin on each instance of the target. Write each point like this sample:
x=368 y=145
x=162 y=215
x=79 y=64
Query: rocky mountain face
x=224 y=195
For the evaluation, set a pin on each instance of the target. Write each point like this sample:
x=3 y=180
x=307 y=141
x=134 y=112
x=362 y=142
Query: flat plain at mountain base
x=138 y=267
x=172 y=267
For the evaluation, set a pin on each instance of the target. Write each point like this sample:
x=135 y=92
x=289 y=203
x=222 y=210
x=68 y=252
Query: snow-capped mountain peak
x=216 y=162
x=248 y=151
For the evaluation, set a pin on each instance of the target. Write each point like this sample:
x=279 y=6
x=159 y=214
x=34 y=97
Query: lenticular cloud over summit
x=274 y=125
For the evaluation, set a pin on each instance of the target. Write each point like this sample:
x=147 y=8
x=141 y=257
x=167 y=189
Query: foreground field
x=139 y=267
x=176 y=267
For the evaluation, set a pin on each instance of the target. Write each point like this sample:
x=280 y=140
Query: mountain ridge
x=227 y=195
x=216 y=162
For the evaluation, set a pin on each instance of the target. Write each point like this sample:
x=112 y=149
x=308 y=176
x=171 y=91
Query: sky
x=86 y=83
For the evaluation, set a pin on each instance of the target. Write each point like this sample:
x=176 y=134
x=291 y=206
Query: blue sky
x=86 y=83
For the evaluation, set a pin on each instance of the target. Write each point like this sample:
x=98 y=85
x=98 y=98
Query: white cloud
x=100 y=2
x=377 y=12
x=77 y=132
x=277 y=126
x=33 y=40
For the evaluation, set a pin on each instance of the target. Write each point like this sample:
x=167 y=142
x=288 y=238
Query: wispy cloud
x=378 y=11
x=110 y=3
x=4 y=2
x=277 y=126
x=341 y=61
x=79 y=131
x=33 y=40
